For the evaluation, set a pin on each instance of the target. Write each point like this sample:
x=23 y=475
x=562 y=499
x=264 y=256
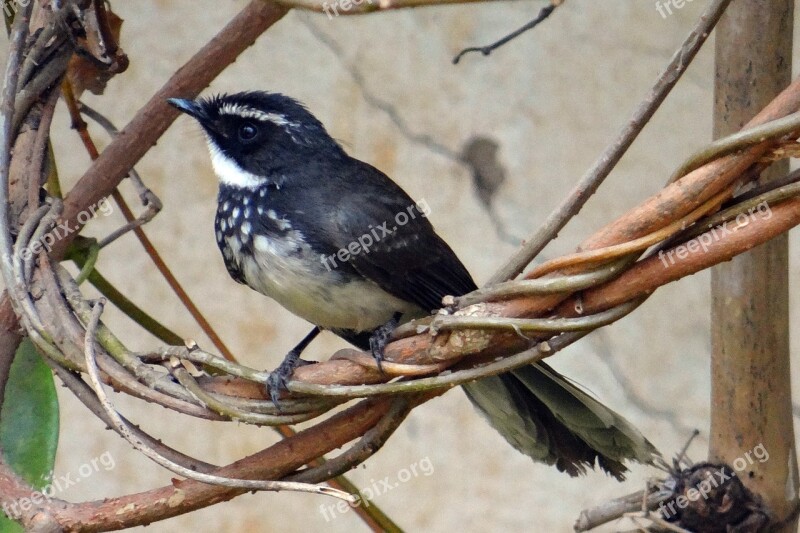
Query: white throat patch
x=230 y=173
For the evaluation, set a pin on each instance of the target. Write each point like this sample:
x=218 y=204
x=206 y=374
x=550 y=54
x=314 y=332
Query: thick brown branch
x=659 y=270
x=595 y=176
x=674 y=201
x=156 y=116
x=183 y=496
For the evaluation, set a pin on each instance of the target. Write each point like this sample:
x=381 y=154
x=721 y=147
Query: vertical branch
x=9 y=327
x=750 y=380
x=9 y=342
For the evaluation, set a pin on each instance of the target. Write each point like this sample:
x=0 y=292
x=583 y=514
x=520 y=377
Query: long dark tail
x=547 y=418
x=550 y=420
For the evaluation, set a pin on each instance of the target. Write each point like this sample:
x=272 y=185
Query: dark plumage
x=292 y=204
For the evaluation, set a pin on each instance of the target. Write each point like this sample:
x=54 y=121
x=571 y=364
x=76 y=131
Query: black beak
x=190 y=107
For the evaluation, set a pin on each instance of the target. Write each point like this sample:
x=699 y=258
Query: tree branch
x=153 y=119
x=181 y=497
x=589 y=183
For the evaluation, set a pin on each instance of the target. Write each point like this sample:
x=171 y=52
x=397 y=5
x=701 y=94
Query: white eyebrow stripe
x=243 y=111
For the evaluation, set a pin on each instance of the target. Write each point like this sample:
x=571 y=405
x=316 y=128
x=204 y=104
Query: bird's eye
x=247 y=132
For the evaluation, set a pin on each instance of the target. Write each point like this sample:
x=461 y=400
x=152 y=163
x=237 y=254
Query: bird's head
x=255 y=136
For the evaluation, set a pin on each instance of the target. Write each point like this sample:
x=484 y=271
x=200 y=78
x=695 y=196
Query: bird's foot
x=276 y=382
x=380 y=338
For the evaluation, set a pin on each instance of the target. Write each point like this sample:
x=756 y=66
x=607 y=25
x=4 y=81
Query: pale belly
x=289 y=272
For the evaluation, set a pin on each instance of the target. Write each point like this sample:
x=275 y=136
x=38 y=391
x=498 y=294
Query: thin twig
x=657 y=520
x=122 y=302
x=134 y=223
x=388 y=368
x=682 y=456
x=556 y=284
x=156 y=115
x=45 y=78
x=26 y=235
x=89 y=261
x=551 y=325
x=788 y=179
x=619 y=507
x=747 y=206
x=45 y=44
x=775 y=129
x=40 y=149
x=368 y=6
x=589 y=183
x=147 y=197
x=122 y=428
x=84 y=393
x=607 y=253
x=488 y=49
x=373 y=440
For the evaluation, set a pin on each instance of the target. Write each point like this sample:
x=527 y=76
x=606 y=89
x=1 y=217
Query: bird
x=336 y=242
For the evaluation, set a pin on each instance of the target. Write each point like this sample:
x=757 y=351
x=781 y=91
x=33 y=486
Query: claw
x=377 y=345
x=276 y=382
x=380 y=338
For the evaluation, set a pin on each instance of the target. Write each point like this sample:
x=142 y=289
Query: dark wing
x=397 y=246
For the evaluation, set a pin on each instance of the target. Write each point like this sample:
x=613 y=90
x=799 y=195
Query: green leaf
x=29 y=421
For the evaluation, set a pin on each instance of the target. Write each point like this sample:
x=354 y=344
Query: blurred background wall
x=385 y=87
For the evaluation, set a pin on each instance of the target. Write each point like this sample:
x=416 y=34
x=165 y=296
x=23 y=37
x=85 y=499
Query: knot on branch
x=710 y=498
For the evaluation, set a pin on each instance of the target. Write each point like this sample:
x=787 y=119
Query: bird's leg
x=380 y=338
x=276 y=382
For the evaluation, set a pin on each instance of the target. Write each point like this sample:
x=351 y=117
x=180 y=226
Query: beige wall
x=383 y=84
